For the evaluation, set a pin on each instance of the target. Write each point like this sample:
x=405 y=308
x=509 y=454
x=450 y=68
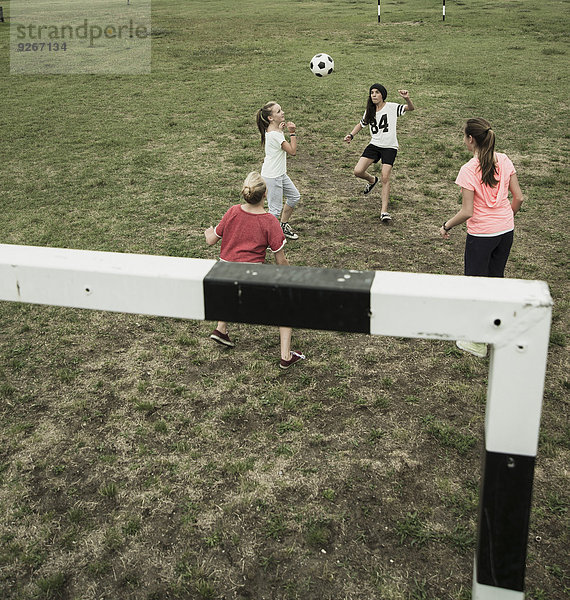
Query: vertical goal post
x=511 y=315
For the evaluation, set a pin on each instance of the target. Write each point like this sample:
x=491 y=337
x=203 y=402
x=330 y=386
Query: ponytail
x=253 y=188
x=484 y=137
x=262 y=118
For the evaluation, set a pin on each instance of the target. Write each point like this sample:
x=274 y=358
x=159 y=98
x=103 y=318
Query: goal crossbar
x=511 y=315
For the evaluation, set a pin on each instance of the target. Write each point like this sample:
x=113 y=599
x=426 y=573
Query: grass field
x=138 y=460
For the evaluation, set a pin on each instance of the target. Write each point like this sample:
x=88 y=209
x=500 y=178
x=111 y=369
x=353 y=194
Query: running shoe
x=295 y=357
x=475 y=348
x=370 y=186
x=221 y=338
x=288 y=231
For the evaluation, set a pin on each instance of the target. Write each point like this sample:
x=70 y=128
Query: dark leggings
x=487 y=256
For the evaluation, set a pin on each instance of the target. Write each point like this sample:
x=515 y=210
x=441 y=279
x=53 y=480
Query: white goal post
x=511 y=315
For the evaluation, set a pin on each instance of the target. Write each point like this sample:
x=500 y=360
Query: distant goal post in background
x=511 y=315
x=380 y=10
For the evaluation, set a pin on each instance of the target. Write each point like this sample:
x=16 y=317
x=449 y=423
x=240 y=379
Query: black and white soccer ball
x=322 y=64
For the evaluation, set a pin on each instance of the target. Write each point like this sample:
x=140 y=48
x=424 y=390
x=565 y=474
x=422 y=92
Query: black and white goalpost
x=513 y=316
x=379 y=11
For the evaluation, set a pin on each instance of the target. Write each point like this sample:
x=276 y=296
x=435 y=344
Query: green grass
x=138 y=460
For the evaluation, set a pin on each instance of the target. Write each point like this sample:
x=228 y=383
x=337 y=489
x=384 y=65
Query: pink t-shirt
x=492 y=212
x=246 y=236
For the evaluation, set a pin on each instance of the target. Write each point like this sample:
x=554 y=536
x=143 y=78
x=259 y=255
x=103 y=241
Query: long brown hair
x=484 y=137
x=370 y=115
x=262 y=118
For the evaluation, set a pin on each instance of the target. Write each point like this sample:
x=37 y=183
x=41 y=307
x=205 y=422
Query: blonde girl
x=247 y=231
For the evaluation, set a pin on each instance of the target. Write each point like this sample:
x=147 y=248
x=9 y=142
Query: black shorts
x=388 y=155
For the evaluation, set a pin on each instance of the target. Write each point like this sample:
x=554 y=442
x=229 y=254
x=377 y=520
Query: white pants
x=277 y=187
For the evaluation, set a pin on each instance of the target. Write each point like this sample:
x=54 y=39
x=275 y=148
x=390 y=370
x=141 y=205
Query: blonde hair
x=262 y=118
x=253 y=189
x=484 y=136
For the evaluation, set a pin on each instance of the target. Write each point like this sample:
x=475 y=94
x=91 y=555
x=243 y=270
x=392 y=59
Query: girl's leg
x=288 y=357
x=222 y=327
x=500 y=255
x=477 y=254
x=285 y=337
x=274 y=195
x=386 y=172
x=286 y=214
x=292 y=195
x=361 y=169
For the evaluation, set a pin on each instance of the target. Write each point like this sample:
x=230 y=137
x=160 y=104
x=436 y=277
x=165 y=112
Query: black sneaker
x=370 y=186
x=386 y=218
x=288 y=231
x=295 y=357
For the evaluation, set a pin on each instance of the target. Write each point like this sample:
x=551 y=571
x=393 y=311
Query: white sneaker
x=475 y=348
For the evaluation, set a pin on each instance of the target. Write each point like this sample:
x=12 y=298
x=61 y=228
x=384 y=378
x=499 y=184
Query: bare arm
x=290 y=146
x=211 y=237
x=280 y=258
x=516 y=191
x=348 y=138
x=464 y=213
x=406 y=96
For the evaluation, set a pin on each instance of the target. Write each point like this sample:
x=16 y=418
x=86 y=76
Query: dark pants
x=487 y=256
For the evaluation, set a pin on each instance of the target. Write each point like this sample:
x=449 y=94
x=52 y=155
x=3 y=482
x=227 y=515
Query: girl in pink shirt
x=485 y=182
x=247 y=231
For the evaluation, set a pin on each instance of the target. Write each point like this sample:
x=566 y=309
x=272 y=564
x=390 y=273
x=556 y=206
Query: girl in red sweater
x=247 y=231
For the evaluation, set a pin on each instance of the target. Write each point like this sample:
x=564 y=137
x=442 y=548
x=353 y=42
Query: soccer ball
x=322 y=64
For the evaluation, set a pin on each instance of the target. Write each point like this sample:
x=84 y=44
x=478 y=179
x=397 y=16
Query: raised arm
x=406 y=96
x=291 y=146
